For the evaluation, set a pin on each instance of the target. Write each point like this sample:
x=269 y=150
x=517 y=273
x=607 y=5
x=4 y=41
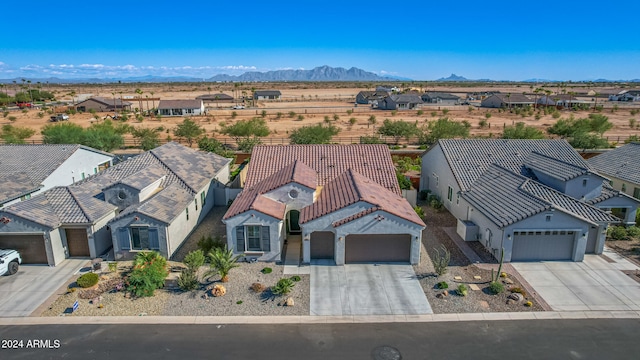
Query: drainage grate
x=386 y=353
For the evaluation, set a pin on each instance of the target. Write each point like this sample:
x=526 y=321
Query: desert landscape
x=312 y=103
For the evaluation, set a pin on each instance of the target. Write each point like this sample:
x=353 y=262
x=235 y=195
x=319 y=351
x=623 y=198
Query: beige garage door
x=30 y=247
x=77 y=242
x=378 y=248
x=322 y=245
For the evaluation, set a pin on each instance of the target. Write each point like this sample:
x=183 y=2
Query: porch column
x=630 y=219
x=306 y=247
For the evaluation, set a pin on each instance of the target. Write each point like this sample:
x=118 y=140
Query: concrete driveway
x=22 y=293
x=365 y=289
x=594 y=284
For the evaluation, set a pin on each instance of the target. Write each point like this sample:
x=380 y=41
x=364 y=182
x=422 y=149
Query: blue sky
x=422 y=40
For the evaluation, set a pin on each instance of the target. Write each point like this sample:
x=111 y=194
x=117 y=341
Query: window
x=458 y=198
x=83 y=176
x=584 y=182
x=437 y=180
x=25 y=197
x=624 y=187
x=636 y=193
x=450 y=194
x=547 y=218
x=95 y=170
x=140 y=238
x=186 y=210
x=253 y=238
x=196 y=201
x=203 y=198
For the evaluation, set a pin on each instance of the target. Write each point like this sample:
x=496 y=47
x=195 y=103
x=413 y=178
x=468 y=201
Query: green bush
x=149 y=272
x=496 y=287
x=188 y=280
x=12 y=118
x=207 y=243
x=424 y=194
x=295 y=278
x=194 y=259
x=617 y=233
x=283 y=287
x=267 y=270
x=88 y=280
x=419 y=211
x=222 y=261
x=442 y=285
x=239 y=302
x=633 y=232
x=462 y=290
x=519 y=291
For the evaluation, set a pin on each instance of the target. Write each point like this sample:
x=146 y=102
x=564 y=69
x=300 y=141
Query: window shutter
x=154 y=242
x=123 y=239
x=266 y=239
x=239 y=238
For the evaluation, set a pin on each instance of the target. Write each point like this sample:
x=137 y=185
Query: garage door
x=378 y=248
x=322 y=245
x=30 y=247
x=77 y=242
x=547 y=245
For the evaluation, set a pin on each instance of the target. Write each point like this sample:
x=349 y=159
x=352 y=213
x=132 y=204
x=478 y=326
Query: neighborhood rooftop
x=622 y=163
x=180 y=104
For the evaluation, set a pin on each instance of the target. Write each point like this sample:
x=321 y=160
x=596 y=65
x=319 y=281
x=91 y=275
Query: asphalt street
x=533 y=339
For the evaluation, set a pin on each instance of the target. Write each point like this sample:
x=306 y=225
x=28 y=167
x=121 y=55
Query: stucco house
x=215 y=99
x=440 y=98
x=400 y=102
x=370 y=97
x=344 y=202
x=27 y=170
x=626 y=95
x=102 y=104
x=151 y=201
x=562 y=100
x=536 y=199
x=181 y=107
x=506 y=101
x=267 y=95
x=622 y=167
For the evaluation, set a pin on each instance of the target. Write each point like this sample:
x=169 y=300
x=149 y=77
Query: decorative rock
x=474 y=287
x=289 y=301
x=510 y=301
x=445 y=293
x=476 y=277
x=516 y=297
x=127 y=295
x=484 y=304
x=218 y=290
x=457 y=278
x=507 y=281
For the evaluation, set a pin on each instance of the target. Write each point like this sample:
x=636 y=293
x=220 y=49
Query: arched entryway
x=293 y=222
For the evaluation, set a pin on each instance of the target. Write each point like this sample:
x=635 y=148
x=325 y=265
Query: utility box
x=467 y=230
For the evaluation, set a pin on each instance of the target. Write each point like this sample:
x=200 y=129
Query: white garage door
x=543 y=245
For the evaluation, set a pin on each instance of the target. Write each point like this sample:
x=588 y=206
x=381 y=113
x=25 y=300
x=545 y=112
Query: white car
x=238 y=107
x=10 y=261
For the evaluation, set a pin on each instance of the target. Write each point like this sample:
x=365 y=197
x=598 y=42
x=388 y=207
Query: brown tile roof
x=350 y=188
x=179 y=104
x=328 y=161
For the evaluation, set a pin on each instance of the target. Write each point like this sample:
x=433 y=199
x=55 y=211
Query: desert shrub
x=462 y=290
x=483 y=123
x=441 y=258
x=267 y=270
x=424 y=194
x=503 y=274
x=420 y=112
x=194 y=259
x=113 y=266
x=239 y=302
x=88 y=280
x=519 y=291
x=5 y=113
x=496 y=287
x=528 y=304
x=206 y=244
x=257 y=287
x=295 y=278
x=370 y=140
x=188 y=280
x=149 y=272
x=419 y=211
x=436 y=204
x=12 y=118
x=445 y=111
x=283 y=287
x=617 y=233
x=633 y=232
x=442 y=285
x=222 y=261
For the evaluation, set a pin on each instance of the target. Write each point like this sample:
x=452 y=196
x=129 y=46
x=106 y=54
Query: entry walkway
x=365 y=289
x=293 y=258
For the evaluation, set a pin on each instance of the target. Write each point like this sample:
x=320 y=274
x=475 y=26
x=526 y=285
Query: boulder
x=507 y=281
x=289 y=301
x=218 y=290
x=516 y=297
x=445 y=293
x=510 y=301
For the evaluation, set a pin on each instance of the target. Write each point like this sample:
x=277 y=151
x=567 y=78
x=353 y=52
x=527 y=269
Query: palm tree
x=222 y=261
x=153 y=100
x=509 y=100
x=139 y=92
x=595 y=101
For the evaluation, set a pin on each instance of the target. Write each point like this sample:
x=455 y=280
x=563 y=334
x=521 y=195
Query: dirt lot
x=314 y=101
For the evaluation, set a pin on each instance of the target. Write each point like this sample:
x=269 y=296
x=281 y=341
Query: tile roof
x=553 y=167
x=622 y=163
x=350 y=188
x=108 y=101
x=23 y=168
x=439 y=95
x=328 y=161
x=513 y=98
x=267 y=93
x=180 y=104
x=469 y=158
x=164 y=206
x=506 y=197
x=406 y=99
x=144 y=177
x=214 y=97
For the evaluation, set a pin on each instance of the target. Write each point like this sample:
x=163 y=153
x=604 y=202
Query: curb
x=355 y=319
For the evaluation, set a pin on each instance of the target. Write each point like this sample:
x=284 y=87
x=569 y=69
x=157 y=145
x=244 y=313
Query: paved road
x=538 y=339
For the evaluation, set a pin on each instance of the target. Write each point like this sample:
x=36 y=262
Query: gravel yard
x=211 y=225
x=476 y=300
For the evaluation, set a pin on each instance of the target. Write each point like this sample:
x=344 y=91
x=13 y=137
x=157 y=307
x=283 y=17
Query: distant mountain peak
x=454 y=77
x=320 y=73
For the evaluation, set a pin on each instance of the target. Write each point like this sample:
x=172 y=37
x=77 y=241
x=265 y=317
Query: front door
x=294 y=221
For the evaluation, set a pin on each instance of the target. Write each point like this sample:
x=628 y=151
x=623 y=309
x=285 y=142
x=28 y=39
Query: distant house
x=506 y=101
x=622 y=167
x=26 y=170
x=562 y=100
x=342 y=202
x=481 y=95
x=181 y=107
x=215 y=98
x=400 y=102
x=152 y=201
x=370 y=97
x=101 y=104
x=626 y=95
x=432 y=97
x=387 y=88
x=267 y=95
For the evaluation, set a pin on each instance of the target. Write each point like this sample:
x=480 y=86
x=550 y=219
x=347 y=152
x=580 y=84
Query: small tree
x=398 y=129
x=371 y=120
x=149 y=138
x=222 y=261
x=522 y=131
x=105 y=135
x=149 y=272
x=247 y=133
x=313 y=134
x=62 y=133
x=14 y=134
x=441 y=259
x=216 y=147
x=188 y=130
x=445 y=128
